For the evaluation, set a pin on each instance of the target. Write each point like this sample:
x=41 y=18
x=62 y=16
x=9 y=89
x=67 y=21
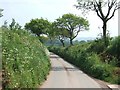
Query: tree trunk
x=62 y=43
x=104 y=32
x=71 y=42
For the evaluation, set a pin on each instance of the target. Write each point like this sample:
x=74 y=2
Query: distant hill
x=84 y=38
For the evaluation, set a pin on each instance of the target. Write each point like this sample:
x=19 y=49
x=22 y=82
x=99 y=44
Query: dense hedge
x=114 y=49
x=89 y=61
x=25 y=63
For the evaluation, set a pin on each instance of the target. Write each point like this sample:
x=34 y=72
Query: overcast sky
x=25 y=10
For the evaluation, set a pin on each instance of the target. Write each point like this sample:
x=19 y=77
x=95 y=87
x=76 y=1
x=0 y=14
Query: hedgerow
x=89 y=60
x=25 y=63
x=114 y=49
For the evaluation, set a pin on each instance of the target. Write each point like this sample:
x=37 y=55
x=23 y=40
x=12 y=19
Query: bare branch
x=97 y=12
x=109 y=8
x=111 y=15
x=108 y=3
x=100 y=8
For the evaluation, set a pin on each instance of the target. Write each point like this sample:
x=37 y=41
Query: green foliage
x=38 y=26
x=58 y=32
x=25 y=63
x=74 y=24
x=87 y=56
x=98 y=7
x=4 y=26
x=97 y=46
x=43 y=39
x=68 y=26
x=114 y=48
x=14 y=25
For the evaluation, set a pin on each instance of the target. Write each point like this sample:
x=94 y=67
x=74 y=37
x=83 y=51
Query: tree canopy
x=98 y=7
x=73 y=24
x=67 y=26
x=60 y=32
x=38 y=26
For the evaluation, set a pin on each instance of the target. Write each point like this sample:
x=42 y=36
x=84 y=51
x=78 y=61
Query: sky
x=25 y=10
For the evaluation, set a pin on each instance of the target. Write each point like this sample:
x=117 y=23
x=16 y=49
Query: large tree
x=38 y=26
x=105 y=10
x=51 y=34
x=74 y=24
x=60 y=33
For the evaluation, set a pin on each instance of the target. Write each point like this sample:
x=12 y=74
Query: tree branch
x=77 y=32
x=112 y=14
x=97 y=12
x=109 y=9
x=99 y=8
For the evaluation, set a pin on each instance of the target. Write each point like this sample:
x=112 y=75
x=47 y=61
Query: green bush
x=88 y=60
x=114 y=49
x=25 y=63
x=114 y=46
x=97 y=46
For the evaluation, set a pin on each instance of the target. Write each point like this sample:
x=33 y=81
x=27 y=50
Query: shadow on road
x=63 y=69
x=54 y=56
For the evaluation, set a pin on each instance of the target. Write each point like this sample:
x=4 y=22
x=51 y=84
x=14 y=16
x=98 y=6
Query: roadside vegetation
x=25 y=61
x=99 y=58
x=94 y=59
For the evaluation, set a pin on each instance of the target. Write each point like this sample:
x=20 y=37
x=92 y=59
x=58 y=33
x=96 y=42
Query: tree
x=98 y=7
x=38 y=26
x=60 y=33
x=51 y=34
x=1 y=12
x=73 y=24
x=4 y=26
x=14 y=25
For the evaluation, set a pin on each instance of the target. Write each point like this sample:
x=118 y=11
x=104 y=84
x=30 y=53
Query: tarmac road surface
x=65 y=75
